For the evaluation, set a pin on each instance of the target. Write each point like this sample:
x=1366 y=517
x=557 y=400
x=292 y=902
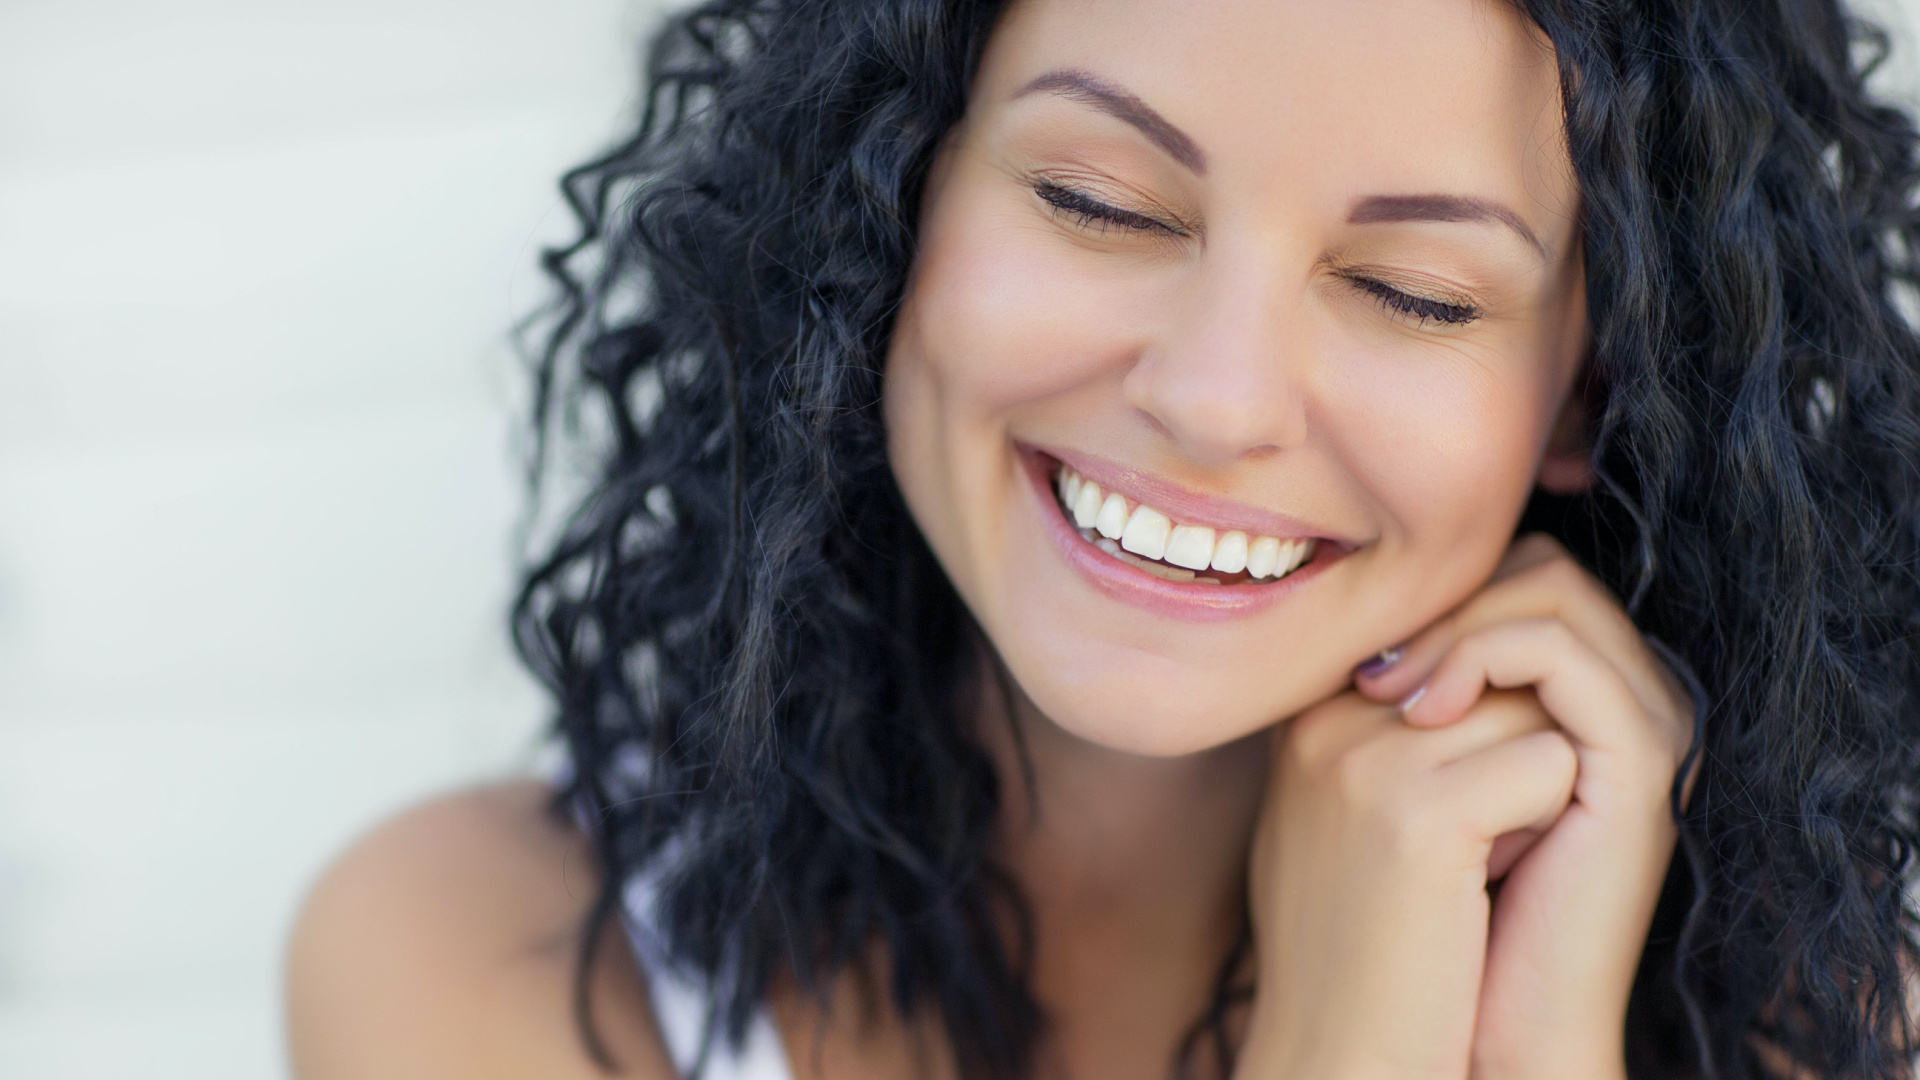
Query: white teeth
x=1304 y=553
x=1262 y=555
x=1190 y=546
x=1230 y=552
x=1146 y=538
x=1147 y=532
x=1086 y=505
x=1159 y=570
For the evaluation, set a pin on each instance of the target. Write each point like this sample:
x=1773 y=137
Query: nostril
x=1218 y=426
x=1157 y=425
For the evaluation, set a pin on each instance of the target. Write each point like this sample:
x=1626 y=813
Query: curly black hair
x=763 y=676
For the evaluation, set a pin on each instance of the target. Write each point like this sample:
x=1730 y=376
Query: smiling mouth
x=1143 y=537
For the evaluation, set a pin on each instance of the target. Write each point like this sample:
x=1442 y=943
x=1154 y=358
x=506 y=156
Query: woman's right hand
x=1369 y=882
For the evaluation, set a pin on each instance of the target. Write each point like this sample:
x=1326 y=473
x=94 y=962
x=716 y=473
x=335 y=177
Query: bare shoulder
x=443 y=944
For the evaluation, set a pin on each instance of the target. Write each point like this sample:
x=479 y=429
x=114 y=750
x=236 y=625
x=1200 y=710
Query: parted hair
x=765 y=683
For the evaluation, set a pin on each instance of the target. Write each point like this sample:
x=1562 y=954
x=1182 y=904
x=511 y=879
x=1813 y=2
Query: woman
x=1049 y=602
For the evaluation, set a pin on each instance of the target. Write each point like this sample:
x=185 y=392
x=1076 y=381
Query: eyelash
x=1421 y=308
x=1088 y=212
x=1091 y=213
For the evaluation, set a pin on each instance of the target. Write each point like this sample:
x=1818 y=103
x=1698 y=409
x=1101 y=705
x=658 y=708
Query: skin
x=1231 y=339
x=1237 y=360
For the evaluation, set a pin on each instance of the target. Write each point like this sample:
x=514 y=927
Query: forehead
x=1324 y=98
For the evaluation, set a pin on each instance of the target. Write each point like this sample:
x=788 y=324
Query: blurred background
x=258 y=261
x=258 y=409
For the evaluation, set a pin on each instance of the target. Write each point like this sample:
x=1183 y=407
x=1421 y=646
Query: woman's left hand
x=1573 y=911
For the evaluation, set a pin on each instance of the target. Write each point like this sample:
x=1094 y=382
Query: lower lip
x=1186 y=601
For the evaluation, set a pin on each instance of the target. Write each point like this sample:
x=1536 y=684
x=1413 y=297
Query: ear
x=1567 y=466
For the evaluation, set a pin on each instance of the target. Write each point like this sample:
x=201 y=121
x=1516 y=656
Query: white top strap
x=680 y=1007
x=680 y=1003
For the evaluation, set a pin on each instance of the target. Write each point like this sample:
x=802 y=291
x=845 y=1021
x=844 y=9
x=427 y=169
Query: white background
x=257 y=264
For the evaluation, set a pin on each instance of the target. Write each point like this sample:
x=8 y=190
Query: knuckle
x=1561 y=757
x=1658 y=763
x=1316 y=736
x=1307 y=738
x=1560 y=574
x=1559 y=636
x=1548 y=633
x=1516 y=711
x=1355 y=775
x=1371 y=779
x=1407 y=825
x=1292 y=754
x=1539 y=545
x=1389 y=802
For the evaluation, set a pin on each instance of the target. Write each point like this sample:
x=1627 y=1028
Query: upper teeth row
x=1151 y=534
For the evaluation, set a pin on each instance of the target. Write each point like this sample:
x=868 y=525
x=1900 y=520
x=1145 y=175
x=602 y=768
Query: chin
x=1160 y=729
x=1150 y=706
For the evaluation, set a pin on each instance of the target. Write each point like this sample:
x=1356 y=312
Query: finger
x=1527 y=552
x=1521 y=784
x=1394 y=671
x=1330 y=728
x=1509 y=849
x=1583 y=694
x=1498 y=716
x=1540 y=581
x=1537 y=578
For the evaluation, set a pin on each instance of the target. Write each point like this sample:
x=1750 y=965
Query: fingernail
x=1414 y=698
x=1380 y=662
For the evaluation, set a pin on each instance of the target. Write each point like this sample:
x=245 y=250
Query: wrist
x=1570 y=1059
x=1555 y=1039
x=1558 y=1070
x=1277 y=1049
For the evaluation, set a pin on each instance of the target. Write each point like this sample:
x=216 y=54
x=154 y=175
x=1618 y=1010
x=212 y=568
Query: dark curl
x=764 y=678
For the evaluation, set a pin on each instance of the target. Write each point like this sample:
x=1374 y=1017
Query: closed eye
x=1422 y=309
x=1090 y=213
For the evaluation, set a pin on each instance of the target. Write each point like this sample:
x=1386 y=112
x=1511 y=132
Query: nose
x=1224 y=378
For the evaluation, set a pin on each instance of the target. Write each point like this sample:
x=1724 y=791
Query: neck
x=1134 y=869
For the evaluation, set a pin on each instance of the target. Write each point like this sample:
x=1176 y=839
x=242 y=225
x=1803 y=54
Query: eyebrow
x=1121 y=105
x=1378 y=208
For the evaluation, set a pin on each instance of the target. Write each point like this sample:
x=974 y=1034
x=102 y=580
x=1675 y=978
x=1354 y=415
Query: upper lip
x=1184 y=506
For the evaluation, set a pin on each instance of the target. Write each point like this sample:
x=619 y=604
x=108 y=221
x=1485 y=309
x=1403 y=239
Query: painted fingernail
x=1413 y=699
x=1380 y=662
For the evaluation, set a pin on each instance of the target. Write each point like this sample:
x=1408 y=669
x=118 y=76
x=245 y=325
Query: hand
x=1572 y=915
x=1368 y=881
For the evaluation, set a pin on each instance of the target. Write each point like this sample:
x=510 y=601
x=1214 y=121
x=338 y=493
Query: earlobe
x=1568 y=473
x=1567 y=466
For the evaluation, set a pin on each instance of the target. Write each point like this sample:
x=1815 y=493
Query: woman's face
x=1259 y=282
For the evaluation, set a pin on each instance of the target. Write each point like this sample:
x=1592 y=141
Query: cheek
x=1446 y=443
x=1008 y=313
x=1004 y=318
x=994 y=320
